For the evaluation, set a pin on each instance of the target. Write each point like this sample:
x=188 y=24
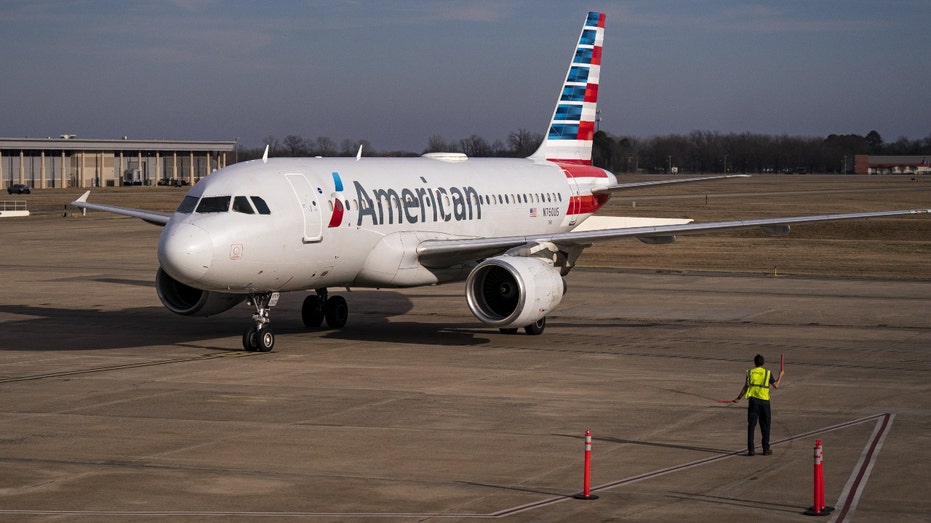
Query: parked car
x=173 y=182
x=18 y=188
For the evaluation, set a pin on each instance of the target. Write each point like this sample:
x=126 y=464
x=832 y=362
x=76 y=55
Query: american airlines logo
x=420 y=205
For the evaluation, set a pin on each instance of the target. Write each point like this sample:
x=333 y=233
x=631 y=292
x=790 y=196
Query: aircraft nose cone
x=185 y=252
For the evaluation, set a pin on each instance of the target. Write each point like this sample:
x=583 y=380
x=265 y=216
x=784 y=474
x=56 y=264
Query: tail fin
x=572 y=127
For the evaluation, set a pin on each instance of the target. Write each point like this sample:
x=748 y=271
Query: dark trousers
x=758 y=411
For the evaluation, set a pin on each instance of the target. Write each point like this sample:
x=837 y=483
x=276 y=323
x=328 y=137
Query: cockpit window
x=260 y=205
x=241 y=204
x=188 y=204
x=210 y=204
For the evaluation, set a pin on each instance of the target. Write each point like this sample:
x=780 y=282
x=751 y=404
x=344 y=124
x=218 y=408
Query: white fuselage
x=357 y=222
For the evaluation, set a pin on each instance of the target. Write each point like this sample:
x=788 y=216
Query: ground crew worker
x=756 y=387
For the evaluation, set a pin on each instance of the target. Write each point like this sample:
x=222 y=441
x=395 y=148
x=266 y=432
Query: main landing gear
x=319 y=307
x=534 y=329
x=316 y=308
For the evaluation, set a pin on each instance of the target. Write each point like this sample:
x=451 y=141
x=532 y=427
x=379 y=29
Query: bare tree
x=475 y=146
x=323 y=146
x=436 y=144
x=295 y=145
x=523 y=143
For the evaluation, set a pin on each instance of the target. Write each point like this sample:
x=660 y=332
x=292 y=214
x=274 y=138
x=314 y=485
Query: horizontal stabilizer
x=668 y=181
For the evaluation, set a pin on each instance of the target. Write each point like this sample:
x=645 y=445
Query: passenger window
x=188 y=204
x=241 y=204
x=260 y=205
x=213 y=204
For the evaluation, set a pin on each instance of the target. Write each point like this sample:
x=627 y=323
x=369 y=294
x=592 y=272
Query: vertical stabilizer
x=572 y=127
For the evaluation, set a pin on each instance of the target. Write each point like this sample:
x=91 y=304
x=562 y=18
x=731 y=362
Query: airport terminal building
x=71 y=162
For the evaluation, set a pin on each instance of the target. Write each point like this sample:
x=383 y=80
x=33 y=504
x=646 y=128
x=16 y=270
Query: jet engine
x=188 y=301
x=514 y=291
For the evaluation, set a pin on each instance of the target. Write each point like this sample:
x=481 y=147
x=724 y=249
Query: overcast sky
x=396 y=72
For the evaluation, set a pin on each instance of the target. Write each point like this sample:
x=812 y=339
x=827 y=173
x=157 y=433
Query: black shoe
x=751 y=453
x=767 y=452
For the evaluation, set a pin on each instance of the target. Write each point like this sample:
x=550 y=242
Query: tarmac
x=116 y=409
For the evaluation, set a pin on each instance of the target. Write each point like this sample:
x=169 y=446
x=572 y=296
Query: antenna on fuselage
x=265 y=155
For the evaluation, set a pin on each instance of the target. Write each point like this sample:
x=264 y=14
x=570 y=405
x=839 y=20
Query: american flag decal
x=533 y=212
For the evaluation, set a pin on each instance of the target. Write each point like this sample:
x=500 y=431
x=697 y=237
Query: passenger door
x=310 y=207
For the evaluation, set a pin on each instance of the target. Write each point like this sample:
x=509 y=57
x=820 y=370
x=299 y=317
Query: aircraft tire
x=265 y=339
x=250 y=339
x=336 y=311
x=312 y=312
x=536 y=328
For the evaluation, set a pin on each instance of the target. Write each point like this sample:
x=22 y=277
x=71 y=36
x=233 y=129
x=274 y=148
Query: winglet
x=359 y=154
x=83 y=198
x=572 y=127
x=265 y=155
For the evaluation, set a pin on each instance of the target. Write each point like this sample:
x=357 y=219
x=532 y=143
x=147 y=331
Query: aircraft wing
x=443 y=253
x=153 y=217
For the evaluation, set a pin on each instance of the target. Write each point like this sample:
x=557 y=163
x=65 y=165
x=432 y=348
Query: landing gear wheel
x=312 y=311
x=536 y=328
x=259 y=339
x=508 y=331
x=250 y=339
x=336 y=311
x=265 y=340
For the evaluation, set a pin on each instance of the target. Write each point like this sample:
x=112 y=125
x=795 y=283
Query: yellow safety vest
x=758 y=383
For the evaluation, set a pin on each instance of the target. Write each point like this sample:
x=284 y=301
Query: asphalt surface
x=115 y=409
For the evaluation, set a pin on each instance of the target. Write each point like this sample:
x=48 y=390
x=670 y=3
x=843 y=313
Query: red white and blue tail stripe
x=572 y=127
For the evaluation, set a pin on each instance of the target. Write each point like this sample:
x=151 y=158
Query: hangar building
x=869 y=164
x=71 y=162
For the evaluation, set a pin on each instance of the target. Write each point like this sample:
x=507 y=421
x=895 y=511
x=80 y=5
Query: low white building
x=869 y=164
x=72 y=162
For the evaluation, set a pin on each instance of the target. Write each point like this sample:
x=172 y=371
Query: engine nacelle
x=514 y=291
x=188 y=301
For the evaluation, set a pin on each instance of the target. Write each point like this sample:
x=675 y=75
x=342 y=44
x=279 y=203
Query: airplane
x=510 y=228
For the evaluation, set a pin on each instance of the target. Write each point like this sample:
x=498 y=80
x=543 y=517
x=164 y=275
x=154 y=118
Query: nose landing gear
x=259 y=337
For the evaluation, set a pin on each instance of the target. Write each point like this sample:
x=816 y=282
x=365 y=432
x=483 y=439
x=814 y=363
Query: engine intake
x=188 y=301
x=511 y=291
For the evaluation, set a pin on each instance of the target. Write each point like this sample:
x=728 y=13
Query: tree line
x=519 y=144
x=696 y=152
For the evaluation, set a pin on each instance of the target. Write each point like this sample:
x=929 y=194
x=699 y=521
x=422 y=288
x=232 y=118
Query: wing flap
x=595 y=223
